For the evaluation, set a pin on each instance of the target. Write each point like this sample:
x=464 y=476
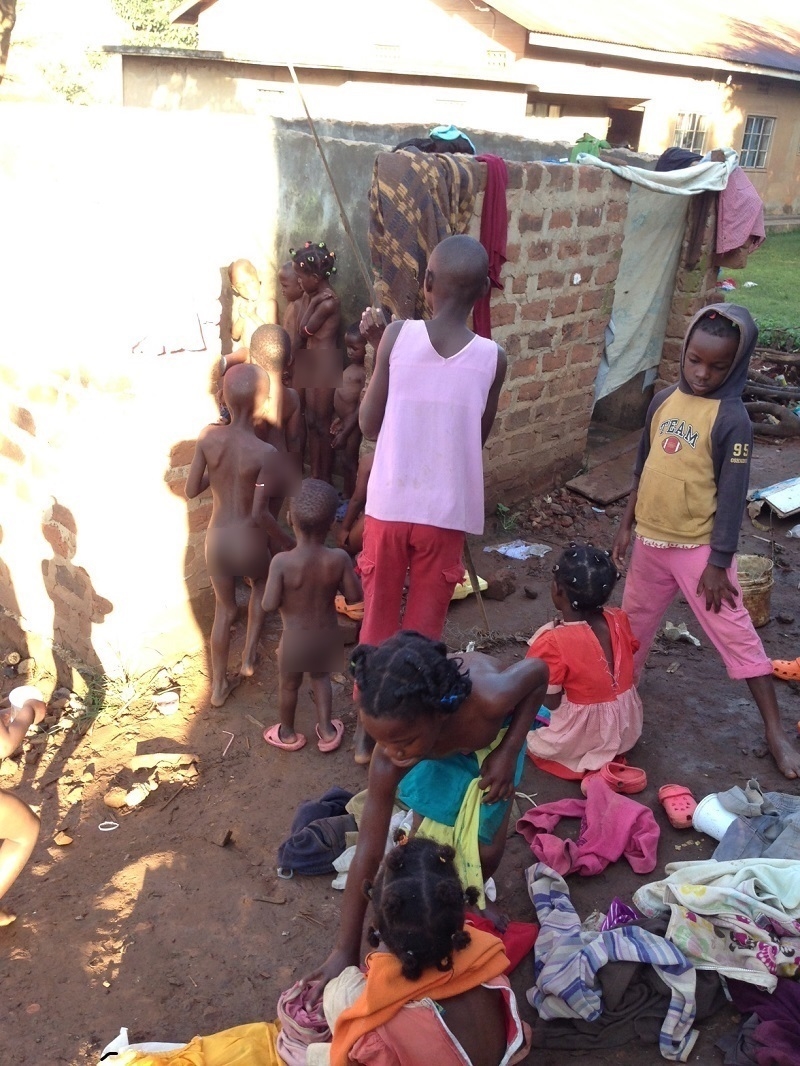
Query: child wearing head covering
x=688 y=497
x=597 y=713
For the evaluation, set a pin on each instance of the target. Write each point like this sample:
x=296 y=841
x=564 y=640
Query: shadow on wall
x=76 y=604
x=12 y=634
x=198 y=514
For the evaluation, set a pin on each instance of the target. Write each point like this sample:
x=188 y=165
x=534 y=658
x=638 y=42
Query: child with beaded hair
x=316 y=356
x=449 y=733
x=597 y=713
x=427 y=962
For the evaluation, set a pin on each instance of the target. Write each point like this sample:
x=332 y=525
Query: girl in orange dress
x=596 y=710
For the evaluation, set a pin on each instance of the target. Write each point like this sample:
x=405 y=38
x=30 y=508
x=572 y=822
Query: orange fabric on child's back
x=387 y=991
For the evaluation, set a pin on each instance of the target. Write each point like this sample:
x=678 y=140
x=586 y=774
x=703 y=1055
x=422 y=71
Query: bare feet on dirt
x=220 y=694
x=785 y=754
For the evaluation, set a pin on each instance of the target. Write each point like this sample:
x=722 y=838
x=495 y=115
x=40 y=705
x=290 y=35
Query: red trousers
x=433 y=559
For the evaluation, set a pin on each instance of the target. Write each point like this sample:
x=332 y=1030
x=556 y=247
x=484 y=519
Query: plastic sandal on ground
x=334 y=742
x=786 y=669
x=679 y=803
x=354 y=611
x=273 y=737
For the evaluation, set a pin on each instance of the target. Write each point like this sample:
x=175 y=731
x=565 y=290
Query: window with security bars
x=755 y=143
x=690 y=131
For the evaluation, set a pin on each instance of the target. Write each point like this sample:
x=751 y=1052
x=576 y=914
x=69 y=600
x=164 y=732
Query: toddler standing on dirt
x=303 y=584
x=597 y=713
x=19 y=826
x=243 y=473
x=688 y=497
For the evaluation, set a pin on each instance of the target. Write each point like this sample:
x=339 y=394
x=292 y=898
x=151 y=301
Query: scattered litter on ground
x=783 y=497
x=750 y=285
x=680 y=632
x=519 y=549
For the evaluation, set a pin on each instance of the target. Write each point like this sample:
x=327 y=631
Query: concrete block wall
x=565 y=233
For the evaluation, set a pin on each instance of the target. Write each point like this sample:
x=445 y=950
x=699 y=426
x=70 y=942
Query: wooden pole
x=343 y=214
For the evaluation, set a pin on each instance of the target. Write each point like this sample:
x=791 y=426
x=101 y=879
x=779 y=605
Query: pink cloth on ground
x=612 y=826
x=654 y=579
x=428 y=467
x=300 y=1024
x=740 y=214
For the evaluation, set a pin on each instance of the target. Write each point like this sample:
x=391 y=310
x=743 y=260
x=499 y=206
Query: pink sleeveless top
x=428 y=467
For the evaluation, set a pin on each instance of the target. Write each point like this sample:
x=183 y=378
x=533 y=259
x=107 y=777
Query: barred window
x=690 y=131
x=755 y=143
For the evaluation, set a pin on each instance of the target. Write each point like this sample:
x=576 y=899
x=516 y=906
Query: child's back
x=303 y=584
x=597 y=713
x=311 y=576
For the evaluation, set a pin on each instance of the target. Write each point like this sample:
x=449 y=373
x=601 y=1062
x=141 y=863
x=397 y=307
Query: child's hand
x=716 y=587
x=342 y=537
x=497 y=774
x=619 y=549
x=373 y=325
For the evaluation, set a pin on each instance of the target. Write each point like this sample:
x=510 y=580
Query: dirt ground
x=159 y=926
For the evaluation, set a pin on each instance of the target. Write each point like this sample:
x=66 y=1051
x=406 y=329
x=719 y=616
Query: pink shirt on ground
x=428 y=466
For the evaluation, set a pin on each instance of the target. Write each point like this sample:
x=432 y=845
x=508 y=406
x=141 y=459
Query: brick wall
x=564 y=243
x=695 y=286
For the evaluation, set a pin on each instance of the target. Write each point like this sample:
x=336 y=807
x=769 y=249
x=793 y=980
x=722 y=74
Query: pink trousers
x=432 y=557
x=656 y=575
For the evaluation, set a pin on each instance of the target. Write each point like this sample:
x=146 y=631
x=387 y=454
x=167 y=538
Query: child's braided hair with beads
x=315 y=258
x=408 y=675
x=418 y=905
x=586 y=575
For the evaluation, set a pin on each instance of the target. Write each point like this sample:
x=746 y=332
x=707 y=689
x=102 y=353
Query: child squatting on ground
x=448 y=731
x=597 y=713
x=303 y=584
x=243 y=473
x=689 y=492
x=434 y=989
x=19 y=826
x=430 y=405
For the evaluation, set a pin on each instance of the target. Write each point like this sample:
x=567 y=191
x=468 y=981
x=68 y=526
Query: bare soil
x=175 y=923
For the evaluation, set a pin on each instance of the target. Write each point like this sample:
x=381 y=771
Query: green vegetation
x=774 y=302
x=152 y=28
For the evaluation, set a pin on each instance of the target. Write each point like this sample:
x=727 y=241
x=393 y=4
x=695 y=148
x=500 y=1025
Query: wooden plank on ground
x=608 y=481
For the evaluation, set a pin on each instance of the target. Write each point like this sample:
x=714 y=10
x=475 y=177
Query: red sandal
x=679 y=803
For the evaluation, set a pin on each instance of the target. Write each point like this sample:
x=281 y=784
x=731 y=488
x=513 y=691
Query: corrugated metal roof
x=759 y=33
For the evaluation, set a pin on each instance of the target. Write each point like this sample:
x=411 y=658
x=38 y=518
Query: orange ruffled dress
x=600 y=714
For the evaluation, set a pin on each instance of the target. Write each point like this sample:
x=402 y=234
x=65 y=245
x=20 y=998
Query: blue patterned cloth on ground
x=567 y=960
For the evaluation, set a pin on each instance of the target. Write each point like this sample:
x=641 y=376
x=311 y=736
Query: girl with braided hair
x=316 y=354
x=597 y=710
x=426 y=960
x=442 y=725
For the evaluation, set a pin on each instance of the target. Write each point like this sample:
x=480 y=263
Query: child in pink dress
x=597 y=713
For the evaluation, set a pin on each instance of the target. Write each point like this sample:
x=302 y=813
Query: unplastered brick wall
x=695 y=287
x=565 y=233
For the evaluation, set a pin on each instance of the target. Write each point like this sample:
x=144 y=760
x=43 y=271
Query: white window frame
x=756 y=141
x=690 y=131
